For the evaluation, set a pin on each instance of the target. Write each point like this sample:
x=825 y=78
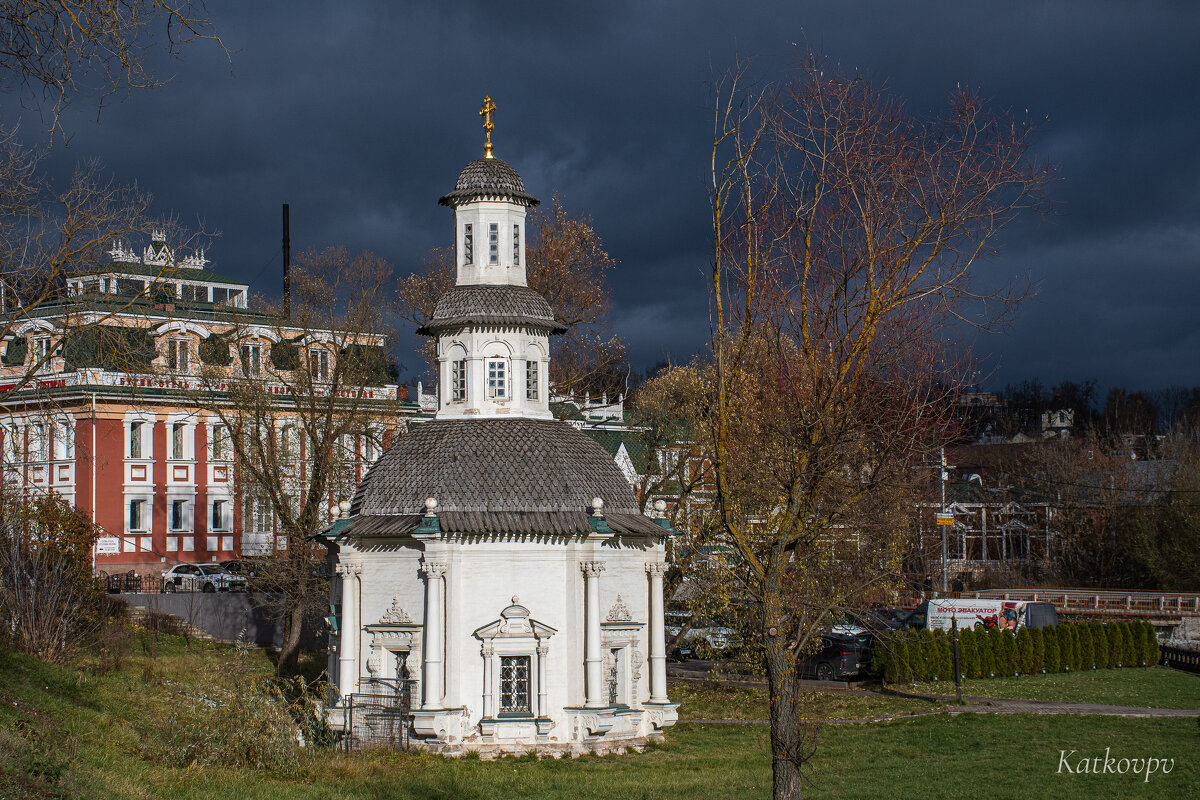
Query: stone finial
x=597 y=506
x=430 y=506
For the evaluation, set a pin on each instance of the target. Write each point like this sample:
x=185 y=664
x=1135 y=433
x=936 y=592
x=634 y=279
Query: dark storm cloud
x=361 y=116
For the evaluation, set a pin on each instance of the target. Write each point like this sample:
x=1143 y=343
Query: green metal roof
x=635 y=446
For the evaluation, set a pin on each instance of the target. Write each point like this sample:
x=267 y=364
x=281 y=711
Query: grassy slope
x=65 y=732
x=1155 y=687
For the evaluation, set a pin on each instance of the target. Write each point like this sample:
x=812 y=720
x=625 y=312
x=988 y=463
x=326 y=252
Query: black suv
x=841 y=656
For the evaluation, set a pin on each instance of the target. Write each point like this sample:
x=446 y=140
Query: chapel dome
x=489 y=179
x=496 y=476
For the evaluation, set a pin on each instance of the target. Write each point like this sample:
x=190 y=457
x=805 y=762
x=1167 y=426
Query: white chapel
x=495 y=563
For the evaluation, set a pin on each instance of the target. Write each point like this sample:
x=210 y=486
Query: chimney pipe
x=287 y=262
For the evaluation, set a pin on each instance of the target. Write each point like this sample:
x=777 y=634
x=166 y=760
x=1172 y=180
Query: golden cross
x=488 y=127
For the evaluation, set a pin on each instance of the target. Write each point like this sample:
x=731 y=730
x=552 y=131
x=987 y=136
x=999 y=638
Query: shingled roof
x=492 y=305
x=495 y=476
x=488 y=178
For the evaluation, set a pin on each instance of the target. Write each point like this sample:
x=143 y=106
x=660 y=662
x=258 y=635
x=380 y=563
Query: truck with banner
x=936 y=614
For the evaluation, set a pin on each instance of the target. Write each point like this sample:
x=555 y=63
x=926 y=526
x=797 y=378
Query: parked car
x=240 y=567
x=841 y=656
x=202 y=578
x=704 y=639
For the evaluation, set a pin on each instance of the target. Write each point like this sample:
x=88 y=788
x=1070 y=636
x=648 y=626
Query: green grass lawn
x=1154 y=687
x=706 y=700
x=69 y=732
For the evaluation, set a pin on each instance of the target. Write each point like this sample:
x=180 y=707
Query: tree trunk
x=787 y=742
x=289 y=651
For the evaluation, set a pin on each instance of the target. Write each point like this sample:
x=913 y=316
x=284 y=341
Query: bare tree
x=48 y=234
x=54 y=50
x=304 y=402
x=846 y=232
x=567 y=263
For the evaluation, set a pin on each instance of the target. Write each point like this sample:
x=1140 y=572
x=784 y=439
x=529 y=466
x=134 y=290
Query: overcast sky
x=361 y=116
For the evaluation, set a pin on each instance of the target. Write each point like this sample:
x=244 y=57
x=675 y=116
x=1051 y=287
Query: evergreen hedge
x=924 y=655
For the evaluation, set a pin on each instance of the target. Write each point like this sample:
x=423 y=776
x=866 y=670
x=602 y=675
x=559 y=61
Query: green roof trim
x=143 y=307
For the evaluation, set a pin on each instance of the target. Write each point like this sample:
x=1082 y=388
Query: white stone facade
x=586 y=616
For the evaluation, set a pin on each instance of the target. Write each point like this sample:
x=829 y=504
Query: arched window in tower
x=516 y=245
x=493 y=243
x=531 y=379
x=468 y=244
x=497 y=379
x=458 y=379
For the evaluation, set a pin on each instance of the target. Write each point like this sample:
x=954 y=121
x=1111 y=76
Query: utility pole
x=945 y=535
x=287 y=261
x=944 y=520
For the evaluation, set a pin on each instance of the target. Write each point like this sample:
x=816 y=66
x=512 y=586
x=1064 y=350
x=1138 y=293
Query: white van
x=982 y=614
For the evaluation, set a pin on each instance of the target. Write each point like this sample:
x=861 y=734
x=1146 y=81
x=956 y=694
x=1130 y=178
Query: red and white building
x=105 y=421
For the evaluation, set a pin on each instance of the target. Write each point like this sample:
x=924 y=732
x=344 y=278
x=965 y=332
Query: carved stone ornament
x=592 y=568
x=620 y=612
x=656 y=568
x=374 y=662
x=395 y=615
x=433 y=570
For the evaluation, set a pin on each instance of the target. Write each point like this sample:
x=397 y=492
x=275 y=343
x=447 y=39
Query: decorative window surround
x=514 y=634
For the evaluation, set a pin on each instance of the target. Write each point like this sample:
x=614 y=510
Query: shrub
x=247 y=721
x=1063 y=634
x=50 y=602
x=926 y=656
x=1076 y=653
x=1100 y=645
x=1086 y=656
x=1116 y=644
x=968 y=656
x=945 y=657
x=996 y=644
x=1008 y=653
x=1051 y=663
x=1129 y=651
x=1150 y=652
x=1037 y=637
x=1024 y=651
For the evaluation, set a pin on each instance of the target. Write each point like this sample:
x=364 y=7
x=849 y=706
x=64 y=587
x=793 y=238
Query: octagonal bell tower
x=493 y=331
